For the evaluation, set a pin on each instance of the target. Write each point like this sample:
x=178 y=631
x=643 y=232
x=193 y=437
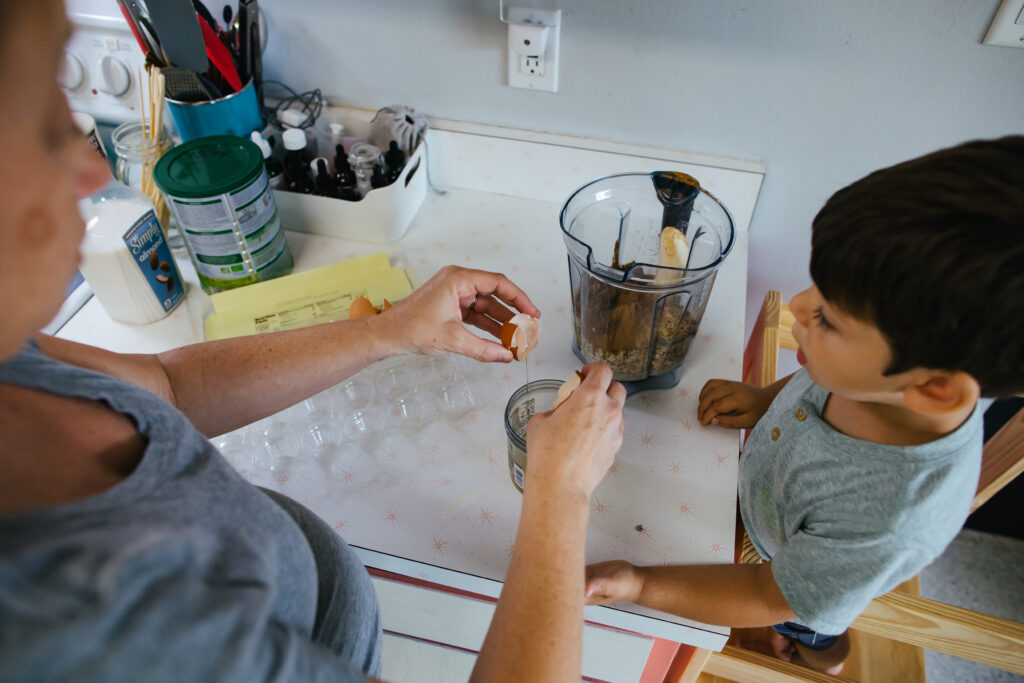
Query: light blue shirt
x=844 y=520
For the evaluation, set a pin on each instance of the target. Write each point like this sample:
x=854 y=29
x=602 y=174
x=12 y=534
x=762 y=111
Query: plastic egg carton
x=404 y=395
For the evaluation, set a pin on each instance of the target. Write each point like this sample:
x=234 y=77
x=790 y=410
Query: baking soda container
x=529 y=399
x=218 y=190
x=125 y=259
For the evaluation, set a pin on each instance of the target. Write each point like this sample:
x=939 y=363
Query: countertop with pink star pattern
x=434 y=498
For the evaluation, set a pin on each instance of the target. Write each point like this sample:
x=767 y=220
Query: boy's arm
x=741 y=595
x=736 y=404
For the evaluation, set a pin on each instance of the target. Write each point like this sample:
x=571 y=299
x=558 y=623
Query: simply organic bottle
x=125 y=257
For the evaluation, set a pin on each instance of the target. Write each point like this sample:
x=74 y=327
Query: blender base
x=665 y=380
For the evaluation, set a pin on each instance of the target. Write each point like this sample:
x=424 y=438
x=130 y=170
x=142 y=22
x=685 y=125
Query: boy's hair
x=931 y=252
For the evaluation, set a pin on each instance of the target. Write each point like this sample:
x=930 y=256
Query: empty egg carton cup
x=407 y=394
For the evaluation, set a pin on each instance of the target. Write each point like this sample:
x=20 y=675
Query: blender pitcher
x=644 y=249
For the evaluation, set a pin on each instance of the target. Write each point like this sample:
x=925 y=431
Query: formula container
x=529 y=399
x=218 y=190
x=125 y=259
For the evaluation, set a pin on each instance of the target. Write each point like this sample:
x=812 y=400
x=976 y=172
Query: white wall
x=821 y=91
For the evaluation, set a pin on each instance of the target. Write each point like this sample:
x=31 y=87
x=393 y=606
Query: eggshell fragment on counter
x=568 y=386
x=363 y=307
x=520 y=335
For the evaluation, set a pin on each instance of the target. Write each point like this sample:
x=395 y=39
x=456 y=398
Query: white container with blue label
x=125 y=257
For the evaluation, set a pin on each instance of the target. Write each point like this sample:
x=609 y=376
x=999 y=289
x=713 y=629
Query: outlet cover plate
x=542 y=73
x=1007 y=27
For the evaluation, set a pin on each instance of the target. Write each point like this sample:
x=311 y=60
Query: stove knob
x=114 y=77
x=72 y=73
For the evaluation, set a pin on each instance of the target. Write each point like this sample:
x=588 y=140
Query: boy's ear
x=941 y=393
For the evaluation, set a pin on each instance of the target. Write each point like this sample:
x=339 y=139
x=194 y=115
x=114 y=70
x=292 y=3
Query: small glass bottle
x=394 y=159
x=362 y=157
x=275 y=169
x=324 y=182
x=297 y=158
x=135 y=151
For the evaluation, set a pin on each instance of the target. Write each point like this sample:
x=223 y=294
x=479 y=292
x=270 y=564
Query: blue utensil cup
x=235 y=114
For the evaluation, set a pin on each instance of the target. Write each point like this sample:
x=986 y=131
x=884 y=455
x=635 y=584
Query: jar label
x=146 y=243
x=521 y=414
x=233 y=235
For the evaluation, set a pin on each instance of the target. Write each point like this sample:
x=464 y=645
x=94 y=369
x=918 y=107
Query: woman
x=130 y=549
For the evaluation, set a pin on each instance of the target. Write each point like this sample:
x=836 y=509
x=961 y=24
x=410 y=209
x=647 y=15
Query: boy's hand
x=732 y=404
x=615 y=581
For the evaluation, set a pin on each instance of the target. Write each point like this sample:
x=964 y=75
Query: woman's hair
x=931 y=252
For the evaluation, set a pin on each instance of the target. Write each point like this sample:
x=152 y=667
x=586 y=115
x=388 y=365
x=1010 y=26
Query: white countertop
x=438 y=504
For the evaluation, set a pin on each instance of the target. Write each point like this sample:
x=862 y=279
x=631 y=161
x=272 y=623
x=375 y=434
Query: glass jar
x=529 y=399
x=135 y=152
x=362 y=157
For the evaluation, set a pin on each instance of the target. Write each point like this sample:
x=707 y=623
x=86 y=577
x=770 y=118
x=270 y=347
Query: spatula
x=177 y=28
x=220 y=55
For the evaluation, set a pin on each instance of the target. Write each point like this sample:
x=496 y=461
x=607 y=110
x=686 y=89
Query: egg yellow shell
x=361 y=308
x=520 y=335
x=565 y=391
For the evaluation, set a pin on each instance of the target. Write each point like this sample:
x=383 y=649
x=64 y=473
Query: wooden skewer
x=142 y=106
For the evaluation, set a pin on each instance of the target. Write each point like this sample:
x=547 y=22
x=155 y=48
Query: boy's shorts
x=797 y=633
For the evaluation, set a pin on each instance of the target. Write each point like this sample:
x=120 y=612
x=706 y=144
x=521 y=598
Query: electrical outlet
x=531 y=66
x=1007 y=27
x=533 y=38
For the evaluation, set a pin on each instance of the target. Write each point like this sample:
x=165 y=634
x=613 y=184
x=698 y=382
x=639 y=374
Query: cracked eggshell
x=568 y=386
x=361 y=308
x=520 y=335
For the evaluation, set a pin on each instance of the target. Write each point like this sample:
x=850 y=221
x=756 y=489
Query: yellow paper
x=343 y=275
x=307 y=298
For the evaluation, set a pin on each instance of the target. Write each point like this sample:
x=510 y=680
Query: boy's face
x=842 y=354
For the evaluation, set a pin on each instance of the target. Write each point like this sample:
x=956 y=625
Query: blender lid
x=613 y=226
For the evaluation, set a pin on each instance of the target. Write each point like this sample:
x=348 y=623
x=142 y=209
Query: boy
x=862 y=466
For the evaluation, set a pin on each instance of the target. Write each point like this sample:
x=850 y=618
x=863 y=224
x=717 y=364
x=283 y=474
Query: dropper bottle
x=325 y=185
x=296 y=161
x=275 y=169
x=394 y=160
x=343 y=174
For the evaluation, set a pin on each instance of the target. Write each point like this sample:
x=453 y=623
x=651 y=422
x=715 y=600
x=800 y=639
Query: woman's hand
x=733 y=404
x=571 y=448
x=433 y=318
x=615 y=581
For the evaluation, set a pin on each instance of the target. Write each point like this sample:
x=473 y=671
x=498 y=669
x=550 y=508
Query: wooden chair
x=887 y=639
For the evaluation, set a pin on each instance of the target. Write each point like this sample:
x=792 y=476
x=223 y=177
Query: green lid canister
x=219 y=194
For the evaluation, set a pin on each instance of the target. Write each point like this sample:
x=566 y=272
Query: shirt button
x=800 y=414
x=775 y=433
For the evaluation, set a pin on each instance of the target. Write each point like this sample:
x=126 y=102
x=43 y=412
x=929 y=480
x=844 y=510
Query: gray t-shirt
x=844 y=520
x=181 y=572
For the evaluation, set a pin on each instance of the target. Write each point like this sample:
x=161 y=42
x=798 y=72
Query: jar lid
x=208 y=166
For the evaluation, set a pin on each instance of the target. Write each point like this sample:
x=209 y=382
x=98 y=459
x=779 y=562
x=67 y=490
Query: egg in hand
x=520 y=335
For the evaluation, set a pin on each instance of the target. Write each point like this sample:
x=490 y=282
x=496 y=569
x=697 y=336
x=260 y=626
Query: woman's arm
x=223 y=385
x=537 y=630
